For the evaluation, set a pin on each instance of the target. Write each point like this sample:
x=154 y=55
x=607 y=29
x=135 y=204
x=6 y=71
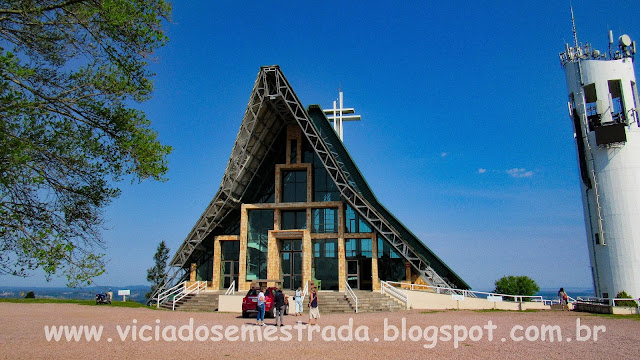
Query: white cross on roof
x=338 y=115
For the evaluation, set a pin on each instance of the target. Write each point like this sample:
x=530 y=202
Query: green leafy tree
x=30 y=295
x=157 y=274
x=70 y=72
x=516 y=285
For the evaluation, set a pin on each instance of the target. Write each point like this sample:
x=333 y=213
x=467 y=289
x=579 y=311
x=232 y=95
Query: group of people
x=281 y=300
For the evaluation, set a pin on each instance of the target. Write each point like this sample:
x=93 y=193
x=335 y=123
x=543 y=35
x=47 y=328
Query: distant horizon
x=542 y=289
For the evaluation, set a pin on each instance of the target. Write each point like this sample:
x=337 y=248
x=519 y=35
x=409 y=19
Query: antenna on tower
x=573 y=22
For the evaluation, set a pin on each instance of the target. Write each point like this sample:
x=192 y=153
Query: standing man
x=279 y=306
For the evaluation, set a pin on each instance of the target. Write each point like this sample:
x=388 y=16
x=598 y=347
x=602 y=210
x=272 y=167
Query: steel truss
x=272 y=106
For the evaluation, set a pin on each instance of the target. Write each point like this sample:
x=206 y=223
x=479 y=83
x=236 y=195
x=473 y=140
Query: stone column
x=217 y=262
x=242 y=271
x=192 y=275
x=375 y=279
x=342 y=261
x=273 y=258
x=342 y=265
x=306 y=255
x=407 y=267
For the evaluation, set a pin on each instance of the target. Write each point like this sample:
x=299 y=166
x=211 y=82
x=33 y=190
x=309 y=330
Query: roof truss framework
x=272 y=105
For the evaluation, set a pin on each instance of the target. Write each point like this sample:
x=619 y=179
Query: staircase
x=368 y=301
x=205 y=301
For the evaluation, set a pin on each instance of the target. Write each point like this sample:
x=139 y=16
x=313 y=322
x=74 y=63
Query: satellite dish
x=596 y=53
x=625 y=40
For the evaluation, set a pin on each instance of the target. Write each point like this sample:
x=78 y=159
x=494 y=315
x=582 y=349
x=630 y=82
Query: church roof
x=250 y=171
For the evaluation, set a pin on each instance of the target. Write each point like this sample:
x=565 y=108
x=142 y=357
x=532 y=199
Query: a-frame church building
x=293 y=207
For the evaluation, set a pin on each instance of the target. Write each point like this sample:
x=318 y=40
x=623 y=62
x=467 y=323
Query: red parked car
x=250 y=302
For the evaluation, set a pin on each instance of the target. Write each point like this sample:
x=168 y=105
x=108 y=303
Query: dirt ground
x=136 y=333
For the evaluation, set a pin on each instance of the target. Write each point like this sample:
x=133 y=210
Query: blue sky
x=464 y=135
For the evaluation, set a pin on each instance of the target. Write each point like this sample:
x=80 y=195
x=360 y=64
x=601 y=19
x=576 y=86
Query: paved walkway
x=447 y=334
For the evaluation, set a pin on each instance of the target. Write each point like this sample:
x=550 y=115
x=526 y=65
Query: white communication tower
x=603 y=100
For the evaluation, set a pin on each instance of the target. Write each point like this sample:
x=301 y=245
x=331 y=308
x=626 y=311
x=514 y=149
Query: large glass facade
x=260 y=222
x=354 y=222
x=325 y=263
x=293 y=220
x=324 y=220
x=391 y=265
x=294 y=186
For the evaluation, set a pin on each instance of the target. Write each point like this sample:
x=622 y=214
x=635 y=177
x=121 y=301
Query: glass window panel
x=294 y=186
x=350 y=245
x=286 y=245
x=324 y=189
x=325 y=220
x=354 y=222
x=297 y=263
x=294 y=220
x=260 y=222
x=330 y=249
x=391 y=266
x=325 y=263
x=365 y=248
x=230 y=250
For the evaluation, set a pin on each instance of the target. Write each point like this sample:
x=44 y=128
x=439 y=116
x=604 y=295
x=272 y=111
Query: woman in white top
x=260 y=308
x=299 y=302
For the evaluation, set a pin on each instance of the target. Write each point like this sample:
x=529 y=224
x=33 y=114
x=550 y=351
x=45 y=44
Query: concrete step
x=198 y=302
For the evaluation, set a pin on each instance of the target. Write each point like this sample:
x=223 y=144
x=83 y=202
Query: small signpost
x=124 y=294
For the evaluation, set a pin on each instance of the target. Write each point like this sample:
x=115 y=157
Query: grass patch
x=635 y=317
x=128 y=304
x=431 y=311
x=504 y=310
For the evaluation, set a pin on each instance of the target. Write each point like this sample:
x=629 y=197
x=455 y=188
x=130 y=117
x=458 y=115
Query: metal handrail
x=171 y=291
x=349 y=291
x=608 y=301
x=232 y=288
x=440 y=290
x=386 y=288
x=305 y=291
x=188 y=291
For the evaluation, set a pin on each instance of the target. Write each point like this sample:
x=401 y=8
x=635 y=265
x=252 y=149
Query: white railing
x=349 y=291
x=170 y=292
x=605 y=301
x=466 y=293
x=386 y=288
x=196 y=287
x=232 y=288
